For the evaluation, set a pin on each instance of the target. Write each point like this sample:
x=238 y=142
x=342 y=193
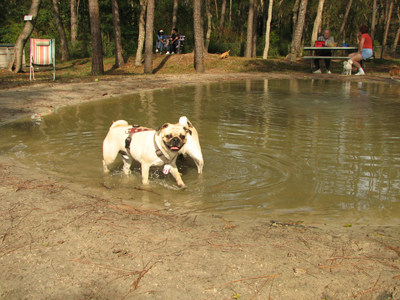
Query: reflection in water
x=300 y=149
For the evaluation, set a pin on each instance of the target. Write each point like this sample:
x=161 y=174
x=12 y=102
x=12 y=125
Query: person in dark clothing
x=173 y=41
x=329 y=42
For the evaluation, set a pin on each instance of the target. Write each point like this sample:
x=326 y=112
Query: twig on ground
x=108 y=267
x=141 y=274
x=264 y=285
x=244 y=279
x=369 y=291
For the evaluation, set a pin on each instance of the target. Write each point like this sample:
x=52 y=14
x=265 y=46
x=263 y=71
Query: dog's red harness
x=136 y=129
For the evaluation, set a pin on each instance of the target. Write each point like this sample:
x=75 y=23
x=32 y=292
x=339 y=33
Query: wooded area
x=97 y=28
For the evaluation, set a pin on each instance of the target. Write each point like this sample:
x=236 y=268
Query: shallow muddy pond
x=310 y=150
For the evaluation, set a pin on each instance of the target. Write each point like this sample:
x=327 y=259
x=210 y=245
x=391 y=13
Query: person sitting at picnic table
x=161 y=41
x=173 y=41
x=329 y=42
x=365 y=49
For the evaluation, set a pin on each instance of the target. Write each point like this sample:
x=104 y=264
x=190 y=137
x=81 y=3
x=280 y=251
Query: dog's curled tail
x=185 y=122
x=119 y=123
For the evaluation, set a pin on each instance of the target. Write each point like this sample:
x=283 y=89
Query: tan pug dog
x=167 y=140
x=192 y=146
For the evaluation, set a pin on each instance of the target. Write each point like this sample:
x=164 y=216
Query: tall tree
x=74 y=5
x=175 y=14
x=198 y=36
x=385 y=34
x=268 y=29
x=295 y=13
x=148 y=51
x=339 y=37
x=255 y=23
x=373 y=22
x=97 y=45
x=209 y=25
x=250 y=21
x=396 y=39
x=222 y=20
x=61 y=31
x=16 y=63
x=142 y=33
x=298 y=32
x=119 y=58
x=317 y=22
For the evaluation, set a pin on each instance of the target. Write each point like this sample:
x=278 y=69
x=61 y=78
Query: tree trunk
x=216 y=9
x=396 y=40
x=230 y=11
x=255 y=23
x=209 y=18
x=198 y=36
x=61 y=32
x=385 y=35
x=175 y=14
x=222 y=20
x=97 y=44
x=148 y=51
x=373 y=22
x=119 y=58
x=295 y=13
x=142 y=33
x=74 y=20
x=268 y=29
x=250 y=21
x=317 y=22
x=16 y=63
x=299 y=32
x=344 y=21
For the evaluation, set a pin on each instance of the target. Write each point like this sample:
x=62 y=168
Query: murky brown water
x=311 y=150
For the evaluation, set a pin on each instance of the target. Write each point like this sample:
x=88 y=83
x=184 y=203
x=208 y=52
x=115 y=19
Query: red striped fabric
x=41 y=51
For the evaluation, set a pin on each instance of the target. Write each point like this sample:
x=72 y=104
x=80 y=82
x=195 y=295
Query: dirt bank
x=64 y=241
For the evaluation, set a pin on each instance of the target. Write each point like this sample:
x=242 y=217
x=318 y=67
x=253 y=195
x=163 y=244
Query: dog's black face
x=173 y=135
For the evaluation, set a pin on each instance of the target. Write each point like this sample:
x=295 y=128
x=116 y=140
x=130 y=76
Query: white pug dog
x=347 y=65
x=148 y=147
x=192 y=146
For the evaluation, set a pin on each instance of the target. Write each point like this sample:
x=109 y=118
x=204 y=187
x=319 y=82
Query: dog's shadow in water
x=162 y=63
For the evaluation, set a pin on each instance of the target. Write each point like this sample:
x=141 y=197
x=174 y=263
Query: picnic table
x=344 y=51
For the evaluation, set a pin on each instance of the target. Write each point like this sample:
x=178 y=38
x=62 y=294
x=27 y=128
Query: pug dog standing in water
x=148 y=147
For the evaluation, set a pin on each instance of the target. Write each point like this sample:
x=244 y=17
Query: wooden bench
x=333 y=58
x=179 y=46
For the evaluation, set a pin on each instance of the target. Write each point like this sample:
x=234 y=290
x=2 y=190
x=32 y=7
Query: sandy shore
x=63 y=241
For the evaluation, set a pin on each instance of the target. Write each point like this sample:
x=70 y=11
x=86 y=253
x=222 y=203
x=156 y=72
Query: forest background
x=240 y=26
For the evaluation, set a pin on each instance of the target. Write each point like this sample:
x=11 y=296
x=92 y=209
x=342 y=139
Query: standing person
x=329 y=42
x=173 y=41
x=365 y=49
x=161 y=41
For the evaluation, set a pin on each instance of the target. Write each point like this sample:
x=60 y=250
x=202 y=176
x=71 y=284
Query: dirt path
x=60 y=241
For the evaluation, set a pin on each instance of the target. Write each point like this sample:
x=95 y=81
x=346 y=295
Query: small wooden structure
x=7 y=54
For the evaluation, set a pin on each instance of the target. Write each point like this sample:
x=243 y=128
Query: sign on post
x=28 y=18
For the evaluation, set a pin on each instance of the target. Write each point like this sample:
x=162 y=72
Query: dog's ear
x=187 y=130
x=158 y=129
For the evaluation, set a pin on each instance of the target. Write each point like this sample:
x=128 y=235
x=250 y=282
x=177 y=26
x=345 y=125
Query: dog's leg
x=105 y=167
x=199 y=164
x=145 y=173
x=127 y=165
x=175 y=172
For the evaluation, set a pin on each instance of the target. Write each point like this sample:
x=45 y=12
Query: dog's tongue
x=174 y=148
